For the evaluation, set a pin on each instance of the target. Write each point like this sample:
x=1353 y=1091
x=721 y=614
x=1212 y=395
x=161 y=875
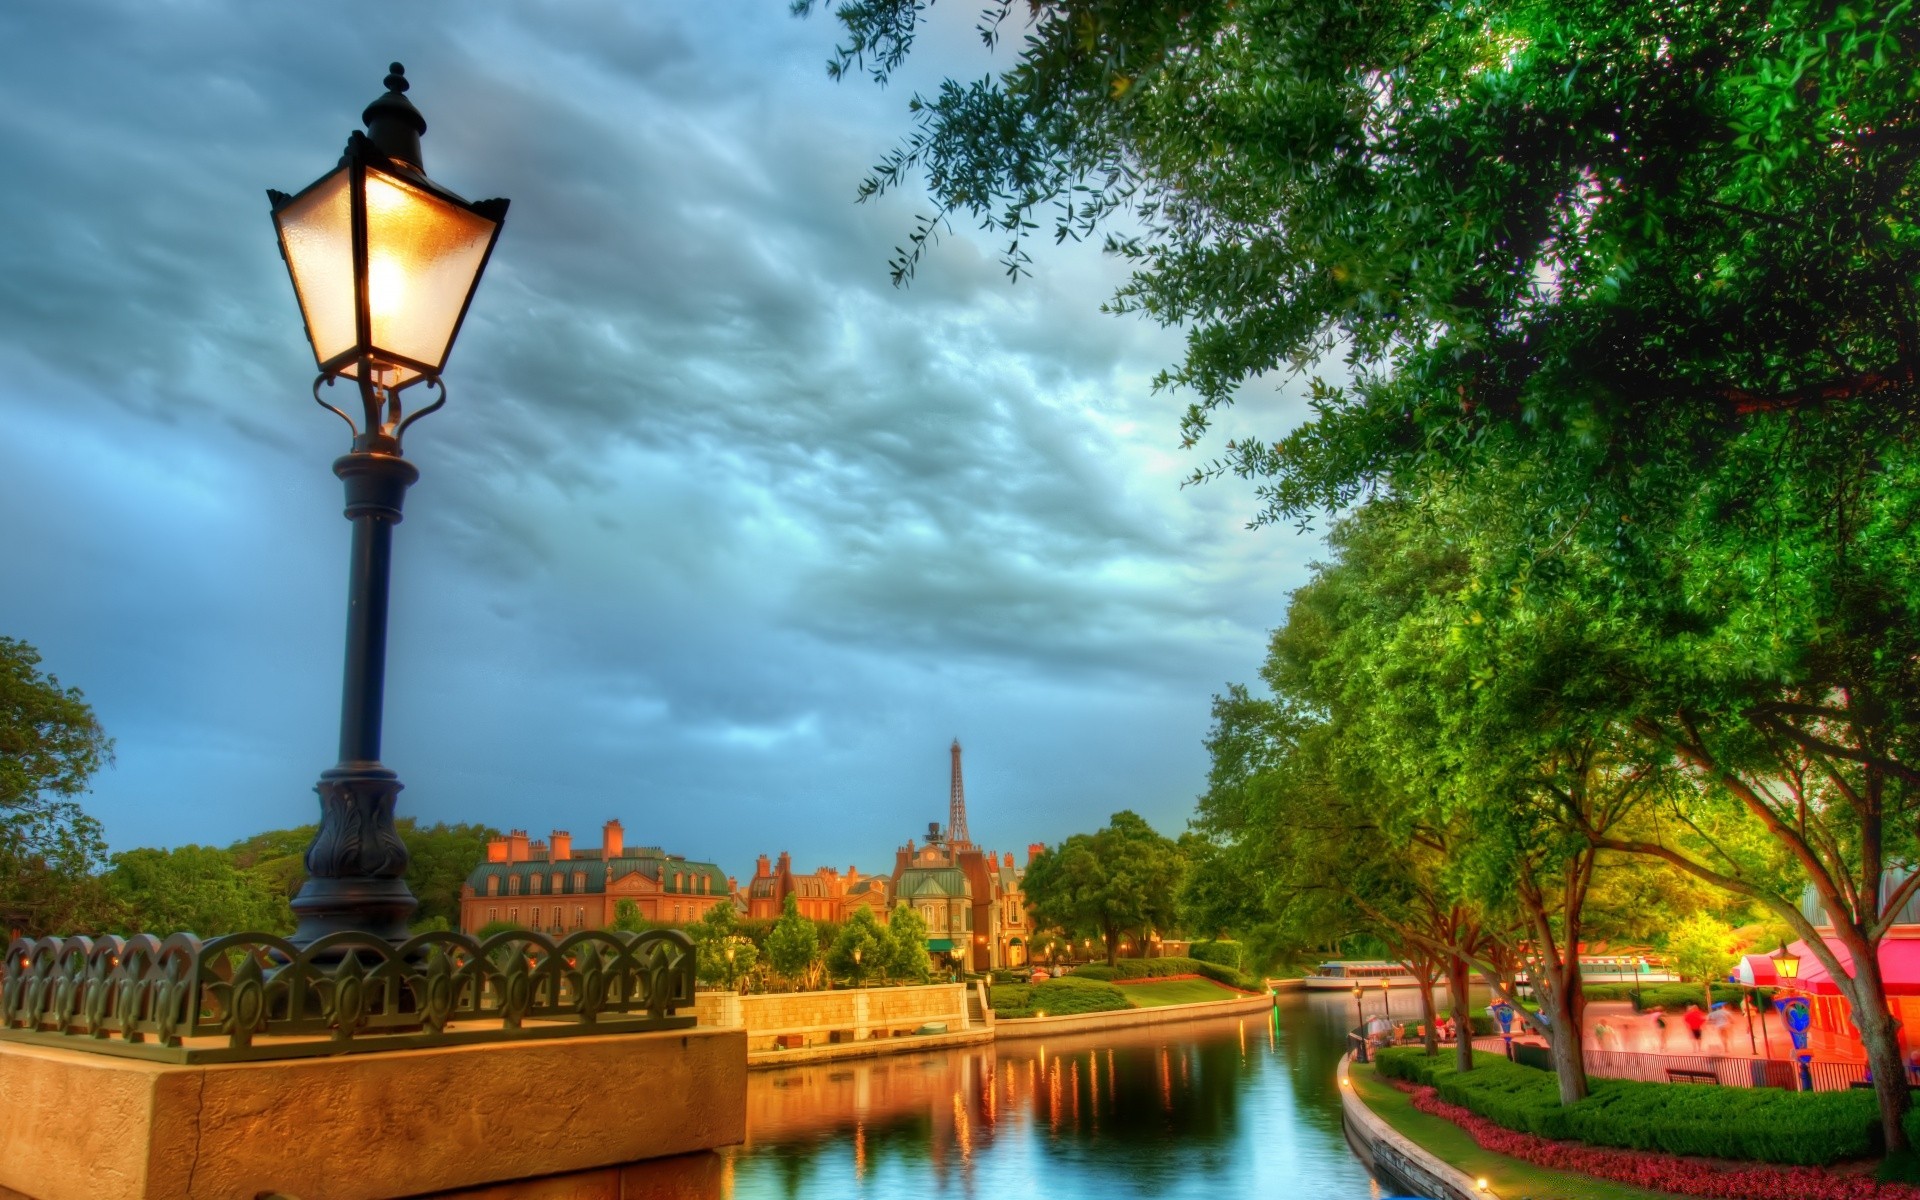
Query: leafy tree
x=1627 y=231
x=793 y=945
x=494 y=927
x=197 y=889
x=51 y=851
x=1701 y=950
x=440 y=857
x=1125 y=877
x=860 y=948
x=907 y=958
x=628 y=919
x=726 y=960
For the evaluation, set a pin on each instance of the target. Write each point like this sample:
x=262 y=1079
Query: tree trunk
x=1565 y=1000
x=1112 y=940
x=1880 y=1034
x=1430 y=1016
x=1462 y=1019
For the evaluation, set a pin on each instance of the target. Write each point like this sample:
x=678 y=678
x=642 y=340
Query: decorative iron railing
x=250 y=996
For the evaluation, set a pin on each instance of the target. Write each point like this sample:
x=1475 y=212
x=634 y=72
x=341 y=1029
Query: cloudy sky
x=720 y=533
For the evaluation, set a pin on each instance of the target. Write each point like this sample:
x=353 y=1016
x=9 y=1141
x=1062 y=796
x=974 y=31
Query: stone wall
x=1385 y=1151
x=855 y=1014
x=1125 y=1018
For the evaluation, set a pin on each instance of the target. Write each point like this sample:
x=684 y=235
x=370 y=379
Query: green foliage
x=860 y=949
x=1701 y=951
x=1123 y=878
x=51 y=851
x=1225 y=953
x=195 y=889
x=906 y=953
x=491 y=928
x=793 y=945
x=1058 y=998
x=1758 y=1124
x=439 y=859
x=627 y=917
x=1160 y=968
x=725 y=959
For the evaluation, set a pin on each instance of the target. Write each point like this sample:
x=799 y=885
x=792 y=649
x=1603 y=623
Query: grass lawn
x=1508 y=1177
x=1155 y=992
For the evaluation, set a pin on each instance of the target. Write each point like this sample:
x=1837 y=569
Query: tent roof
x=1899 y=966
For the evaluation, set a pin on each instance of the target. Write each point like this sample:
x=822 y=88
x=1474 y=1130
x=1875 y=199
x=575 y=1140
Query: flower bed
x=1663 y=1172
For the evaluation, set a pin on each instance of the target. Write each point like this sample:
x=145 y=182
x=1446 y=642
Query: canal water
x=1228 y=1106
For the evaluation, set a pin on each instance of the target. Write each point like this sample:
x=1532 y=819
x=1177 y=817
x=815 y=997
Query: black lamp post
x=1359 y=1018
x=384 y=262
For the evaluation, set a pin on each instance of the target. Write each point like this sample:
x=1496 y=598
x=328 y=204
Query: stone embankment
x=1384 y=1150
x=789 y=1028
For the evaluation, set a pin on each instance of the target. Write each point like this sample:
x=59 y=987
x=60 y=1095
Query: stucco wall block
x=363 y=1126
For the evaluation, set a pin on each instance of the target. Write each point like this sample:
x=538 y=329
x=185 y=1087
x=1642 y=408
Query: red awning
x=1899 y=967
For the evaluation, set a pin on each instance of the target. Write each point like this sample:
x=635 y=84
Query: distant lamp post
x=1359 y=1017
x=730 y=949
x=856 y=966
x=384 y=263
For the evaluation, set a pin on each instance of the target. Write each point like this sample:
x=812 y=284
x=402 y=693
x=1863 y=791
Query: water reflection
x=1198 y=1109
x=1193 y=1109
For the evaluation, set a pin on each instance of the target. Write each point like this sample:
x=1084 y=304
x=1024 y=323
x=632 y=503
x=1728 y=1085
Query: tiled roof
x=933 y=881
x=536 y=877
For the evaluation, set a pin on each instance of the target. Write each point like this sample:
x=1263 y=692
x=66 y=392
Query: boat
x=1342 y=974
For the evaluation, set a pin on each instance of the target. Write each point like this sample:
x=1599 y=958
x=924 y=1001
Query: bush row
x=1751 y=1124
x=1225 y=954
x=1160 y=968
x=1057 y=997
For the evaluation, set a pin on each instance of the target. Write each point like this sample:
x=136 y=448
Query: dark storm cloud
x=719 y=533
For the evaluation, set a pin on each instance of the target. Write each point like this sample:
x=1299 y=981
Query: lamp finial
x=393 y=124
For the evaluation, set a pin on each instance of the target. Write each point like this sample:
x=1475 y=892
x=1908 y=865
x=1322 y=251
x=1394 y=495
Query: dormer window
x=513 y=885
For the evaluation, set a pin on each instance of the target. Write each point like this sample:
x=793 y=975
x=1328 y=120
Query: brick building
x=557 y=887
x=822 y=895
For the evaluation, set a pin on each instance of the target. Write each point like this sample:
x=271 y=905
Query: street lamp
x=1359 y=1017
x=856 y=966
x=384 y=262
x=730 y=949
x=1786 y=965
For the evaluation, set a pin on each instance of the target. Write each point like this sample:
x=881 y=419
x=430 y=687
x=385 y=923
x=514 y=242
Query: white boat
x=1342 y=974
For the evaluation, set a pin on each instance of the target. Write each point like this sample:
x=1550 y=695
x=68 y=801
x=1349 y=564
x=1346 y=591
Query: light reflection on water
x=1232 y=1105
x=1202 y=1108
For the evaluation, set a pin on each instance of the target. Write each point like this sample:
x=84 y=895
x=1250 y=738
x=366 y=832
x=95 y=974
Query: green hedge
x=1160 y=968
x=1058 y=997
x=1751 y=1124
x=1225 y=954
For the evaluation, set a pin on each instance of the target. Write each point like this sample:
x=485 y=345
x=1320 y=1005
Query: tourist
x=1660 y=1023
x=1696 y=1021
x=1601 y=1033
x=1722 y=1022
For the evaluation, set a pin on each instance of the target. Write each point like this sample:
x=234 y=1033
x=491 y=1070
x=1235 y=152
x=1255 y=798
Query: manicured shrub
x=1753 y=1124
x=1223 y=953
x=1160 y=968
x=1059 y=998
x=1094 y=971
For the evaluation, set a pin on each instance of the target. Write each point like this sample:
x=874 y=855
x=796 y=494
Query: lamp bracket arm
x=327 y=379
x=438 y=386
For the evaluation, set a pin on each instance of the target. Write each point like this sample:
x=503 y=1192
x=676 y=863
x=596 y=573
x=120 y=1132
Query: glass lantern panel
x=423 y=258
x=316 y=231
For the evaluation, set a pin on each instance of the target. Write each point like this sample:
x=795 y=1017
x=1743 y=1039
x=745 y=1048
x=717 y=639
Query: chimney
x=733 y=885
x=497 y=850
x=613 y=840
x=562 y=845
x=516 y=845
x=762 y=868
x=1008 y=860
x=538 y=851
x=1035 y=850
x=786 y=863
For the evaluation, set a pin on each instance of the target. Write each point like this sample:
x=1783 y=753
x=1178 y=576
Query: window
x=513 y=885
x=534 y=920
x=676 y=882
x=513 y=916
x=579 y=881
x=579 y=918
x=554 y=885
x=493 y=914
x=493 y=885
